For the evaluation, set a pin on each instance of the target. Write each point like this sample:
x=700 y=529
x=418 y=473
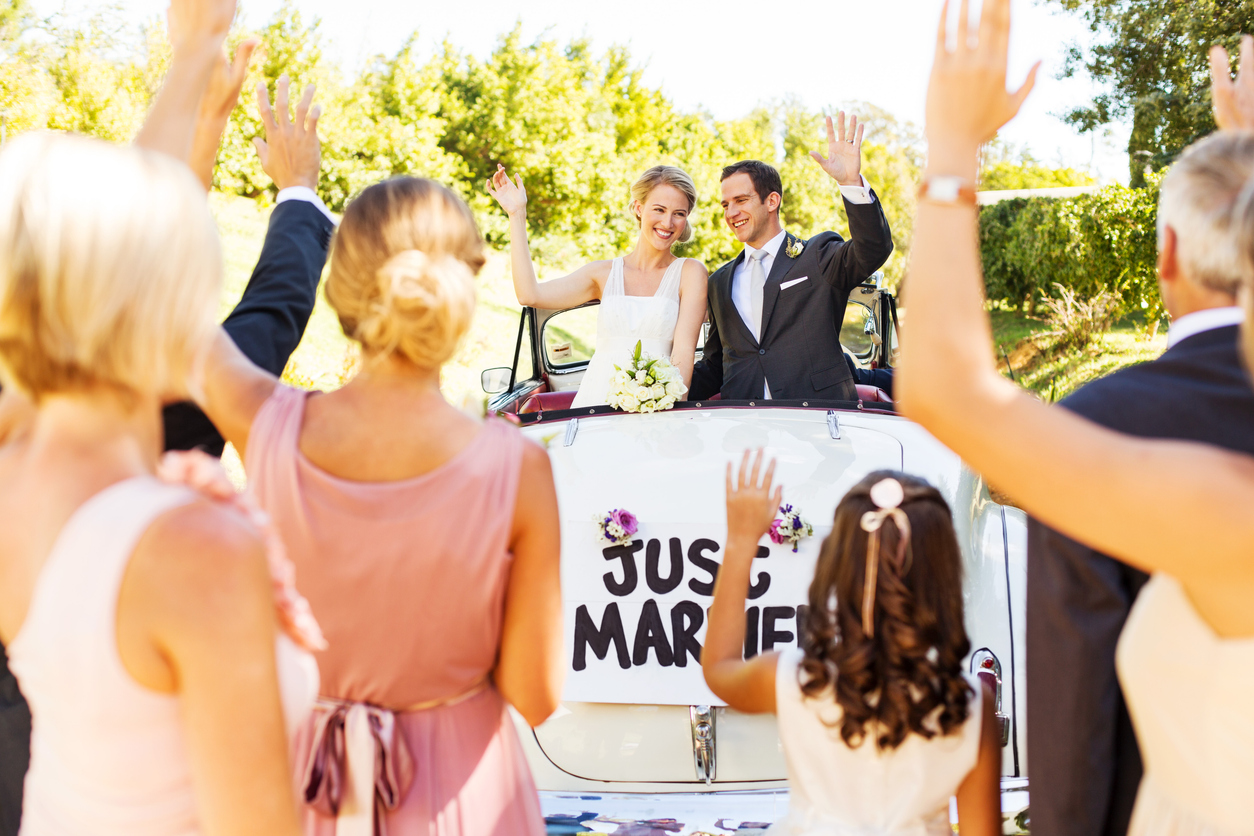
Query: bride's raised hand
x=1233 y=100
x=967 y=100
x=511 y=194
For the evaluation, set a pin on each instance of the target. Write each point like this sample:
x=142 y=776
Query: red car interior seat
x=548 y=401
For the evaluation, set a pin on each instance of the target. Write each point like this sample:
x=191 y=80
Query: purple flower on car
x=789 y=527
x=626 y=519
x=618 y=526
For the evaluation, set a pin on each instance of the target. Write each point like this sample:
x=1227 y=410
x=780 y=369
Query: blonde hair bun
x=424 y=307
x=403 y=268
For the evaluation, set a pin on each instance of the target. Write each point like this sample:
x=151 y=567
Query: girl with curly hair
x=879 y=724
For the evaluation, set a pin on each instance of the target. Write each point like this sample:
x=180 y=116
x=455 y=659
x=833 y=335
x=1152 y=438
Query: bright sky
x=728 y=56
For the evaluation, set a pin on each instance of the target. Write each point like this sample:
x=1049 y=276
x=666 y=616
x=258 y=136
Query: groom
x=777 y=308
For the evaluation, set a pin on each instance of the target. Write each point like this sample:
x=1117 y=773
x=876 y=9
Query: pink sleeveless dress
x=407 y=580
x=108 y=756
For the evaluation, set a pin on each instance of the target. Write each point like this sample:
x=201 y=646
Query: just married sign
x=635 y=614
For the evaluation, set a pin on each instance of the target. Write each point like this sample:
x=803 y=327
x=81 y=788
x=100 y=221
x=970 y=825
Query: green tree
x=1151 y=56
x=1002 y=166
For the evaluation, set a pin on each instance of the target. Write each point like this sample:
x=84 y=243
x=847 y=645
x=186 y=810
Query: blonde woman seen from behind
x=1177 y=510
x=426 y=540
x=879 y=724
x=648 y=296
x=139 y=616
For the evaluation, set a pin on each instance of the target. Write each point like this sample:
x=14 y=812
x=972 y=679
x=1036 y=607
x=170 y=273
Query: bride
x=648 y=295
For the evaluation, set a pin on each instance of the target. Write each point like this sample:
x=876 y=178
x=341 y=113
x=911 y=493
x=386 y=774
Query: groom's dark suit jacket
x=267 y=325
x=1084 y=761
x=799 y=353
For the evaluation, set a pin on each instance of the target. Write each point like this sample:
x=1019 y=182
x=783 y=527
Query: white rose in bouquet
x=645 y=384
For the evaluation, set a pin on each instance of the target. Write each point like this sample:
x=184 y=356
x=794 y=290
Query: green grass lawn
x=1054 y=376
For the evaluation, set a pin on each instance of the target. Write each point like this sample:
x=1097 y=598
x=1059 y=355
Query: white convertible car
x=639 y=745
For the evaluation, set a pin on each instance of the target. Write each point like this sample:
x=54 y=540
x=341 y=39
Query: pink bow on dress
x=359 y=766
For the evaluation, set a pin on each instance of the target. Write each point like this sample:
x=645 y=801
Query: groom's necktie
x=757 y=282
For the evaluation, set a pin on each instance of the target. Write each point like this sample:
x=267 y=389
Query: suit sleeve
x=847 y=264
x=270 y=318
x=707 y=374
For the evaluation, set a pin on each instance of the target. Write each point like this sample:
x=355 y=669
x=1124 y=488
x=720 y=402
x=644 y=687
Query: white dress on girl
x=836 y=790
x=624 y=320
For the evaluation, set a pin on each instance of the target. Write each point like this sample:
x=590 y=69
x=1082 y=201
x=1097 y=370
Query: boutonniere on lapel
x=795 y=247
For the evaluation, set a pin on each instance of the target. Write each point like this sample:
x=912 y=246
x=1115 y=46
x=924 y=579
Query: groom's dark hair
x=765 y=178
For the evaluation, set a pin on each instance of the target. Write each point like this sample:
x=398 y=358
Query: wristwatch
x=947 y=189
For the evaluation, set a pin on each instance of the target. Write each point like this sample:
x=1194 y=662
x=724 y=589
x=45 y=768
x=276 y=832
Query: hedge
x=1104 y=240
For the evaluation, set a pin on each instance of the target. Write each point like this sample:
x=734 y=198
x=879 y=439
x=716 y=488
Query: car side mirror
x=495 y=381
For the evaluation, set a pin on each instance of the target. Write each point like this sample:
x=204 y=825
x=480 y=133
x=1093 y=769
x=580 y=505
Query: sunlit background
x=728 y=57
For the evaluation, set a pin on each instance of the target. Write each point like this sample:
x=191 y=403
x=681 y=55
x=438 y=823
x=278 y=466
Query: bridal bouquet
x=647 y=384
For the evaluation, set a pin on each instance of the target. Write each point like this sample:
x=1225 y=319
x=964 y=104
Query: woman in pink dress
x=139 y=616
x=425 y=540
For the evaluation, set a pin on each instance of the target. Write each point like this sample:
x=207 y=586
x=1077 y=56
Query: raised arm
x=693 y=282
x=197 y=30
x=747 y=686
x=846 y=264
x=249 y=353
x=215 y=109
x=530 y=670
x=570 y=291
x=1181 y=508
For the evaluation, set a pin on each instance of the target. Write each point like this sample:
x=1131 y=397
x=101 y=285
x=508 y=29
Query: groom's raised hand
x=844 y=151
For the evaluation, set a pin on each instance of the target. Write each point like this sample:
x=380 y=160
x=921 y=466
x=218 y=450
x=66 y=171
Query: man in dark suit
x=267 y=325
x=776 y=309
x=1084 y=763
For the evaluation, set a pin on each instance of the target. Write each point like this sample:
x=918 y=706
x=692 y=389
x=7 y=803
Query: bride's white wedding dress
x=1191 y=697
x=622 y=321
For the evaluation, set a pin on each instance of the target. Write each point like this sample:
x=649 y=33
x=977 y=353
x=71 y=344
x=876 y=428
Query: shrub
x=1074 y=321
x=1102 y=242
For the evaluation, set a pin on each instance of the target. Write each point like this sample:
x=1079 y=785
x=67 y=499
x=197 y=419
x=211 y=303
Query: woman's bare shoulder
x=693 y=267
x=201 y=556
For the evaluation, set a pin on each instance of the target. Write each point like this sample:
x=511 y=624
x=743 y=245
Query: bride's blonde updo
x=402 y=270
x=667 y=175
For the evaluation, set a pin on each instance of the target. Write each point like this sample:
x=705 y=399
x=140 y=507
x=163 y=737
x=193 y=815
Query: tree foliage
x=1151 y=58
x=578 y=125
x=1093 y=244
x=1003 y=166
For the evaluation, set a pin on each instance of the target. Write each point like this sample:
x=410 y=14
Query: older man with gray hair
x=1084 y=762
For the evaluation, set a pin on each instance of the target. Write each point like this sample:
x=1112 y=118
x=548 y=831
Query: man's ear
x=773 y=200
x=1168 y=256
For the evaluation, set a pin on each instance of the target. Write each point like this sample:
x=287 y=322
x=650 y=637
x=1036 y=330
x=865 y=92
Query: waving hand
x=1233 y=100
x=511 y=194
x=844 y=151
